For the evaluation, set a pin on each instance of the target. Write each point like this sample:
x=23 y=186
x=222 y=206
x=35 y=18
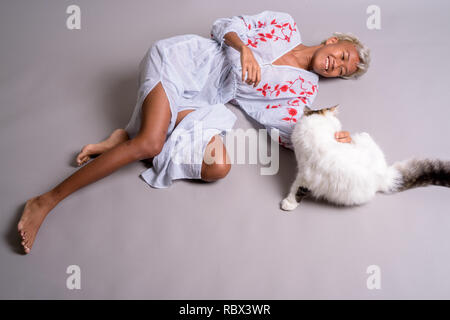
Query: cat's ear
x=306 y=110
x=334 y=109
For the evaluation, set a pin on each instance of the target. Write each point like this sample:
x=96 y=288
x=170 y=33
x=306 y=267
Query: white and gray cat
x=350 y=173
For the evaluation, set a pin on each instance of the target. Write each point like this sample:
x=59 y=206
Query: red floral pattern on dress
x=281 y=34
x=303 y=89
x=292 y=112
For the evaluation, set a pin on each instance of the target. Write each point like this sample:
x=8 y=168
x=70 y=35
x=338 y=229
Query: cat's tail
x=411 y=173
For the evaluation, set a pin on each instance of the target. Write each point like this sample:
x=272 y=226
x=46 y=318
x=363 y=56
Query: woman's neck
x=304 y=55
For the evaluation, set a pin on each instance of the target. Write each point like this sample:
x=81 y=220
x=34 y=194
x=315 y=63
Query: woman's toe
x=82 y=155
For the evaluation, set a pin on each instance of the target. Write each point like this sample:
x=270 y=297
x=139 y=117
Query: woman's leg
x=118 y=136
x=212 y=171
x=93 y=149
x=148 y=142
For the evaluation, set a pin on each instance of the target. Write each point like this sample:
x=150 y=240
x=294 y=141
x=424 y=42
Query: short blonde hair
x=363 y=53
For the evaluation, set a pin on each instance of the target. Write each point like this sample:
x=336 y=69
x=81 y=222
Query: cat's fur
x=350 y=173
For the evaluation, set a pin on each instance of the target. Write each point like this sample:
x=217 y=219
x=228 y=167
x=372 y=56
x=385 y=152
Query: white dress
x=204 y=74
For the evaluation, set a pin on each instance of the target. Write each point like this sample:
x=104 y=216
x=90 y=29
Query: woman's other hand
x=343 y=136
x=250 y=67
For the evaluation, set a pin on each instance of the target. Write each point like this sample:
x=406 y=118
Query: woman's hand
x=250 y=67
x=343 y=136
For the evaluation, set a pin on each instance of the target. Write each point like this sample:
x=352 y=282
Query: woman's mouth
x=327 y=63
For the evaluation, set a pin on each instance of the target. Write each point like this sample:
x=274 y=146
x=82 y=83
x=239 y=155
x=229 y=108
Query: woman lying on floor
x=257 y=62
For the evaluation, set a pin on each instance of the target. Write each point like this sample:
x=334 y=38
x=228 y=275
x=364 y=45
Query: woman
x=255 y=61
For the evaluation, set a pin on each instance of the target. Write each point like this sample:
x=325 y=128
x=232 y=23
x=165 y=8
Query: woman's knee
x=216 y=163
x=215 y=171
x=148 y=147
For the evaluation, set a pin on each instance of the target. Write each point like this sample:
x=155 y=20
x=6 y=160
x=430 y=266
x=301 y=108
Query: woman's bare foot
x=118 y=136
x=36 y=209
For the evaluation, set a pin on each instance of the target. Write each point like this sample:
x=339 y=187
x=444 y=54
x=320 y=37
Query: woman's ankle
x=50 y=199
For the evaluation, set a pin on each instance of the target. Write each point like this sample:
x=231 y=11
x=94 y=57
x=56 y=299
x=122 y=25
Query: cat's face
x=323 y=112
x=321 y=119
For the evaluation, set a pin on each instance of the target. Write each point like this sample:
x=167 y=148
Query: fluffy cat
x=350 y=173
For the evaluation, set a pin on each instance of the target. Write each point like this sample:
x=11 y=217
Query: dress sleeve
x=245 y=25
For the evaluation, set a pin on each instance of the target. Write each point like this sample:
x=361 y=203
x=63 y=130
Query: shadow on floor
x=118 y=102
x=120 y=92
x=11 y=234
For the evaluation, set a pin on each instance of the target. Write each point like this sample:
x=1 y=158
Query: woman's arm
x=231 y=31
x=248 y=62
x=232 y=39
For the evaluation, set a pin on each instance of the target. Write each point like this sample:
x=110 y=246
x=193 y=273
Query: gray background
x=62 y=89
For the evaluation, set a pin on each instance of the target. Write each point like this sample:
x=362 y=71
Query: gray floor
x=61 y=89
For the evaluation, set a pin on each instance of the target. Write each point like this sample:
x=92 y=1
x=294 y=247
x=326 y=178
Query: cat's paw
x=288 y=205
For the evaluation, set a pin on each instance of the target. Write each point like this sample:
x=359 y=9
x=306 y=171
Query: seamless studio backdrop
x=61 y=89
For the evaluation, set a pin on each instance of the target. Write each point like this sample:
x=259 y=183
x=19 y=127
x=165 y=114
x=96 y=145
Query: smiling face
x=335 y=59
